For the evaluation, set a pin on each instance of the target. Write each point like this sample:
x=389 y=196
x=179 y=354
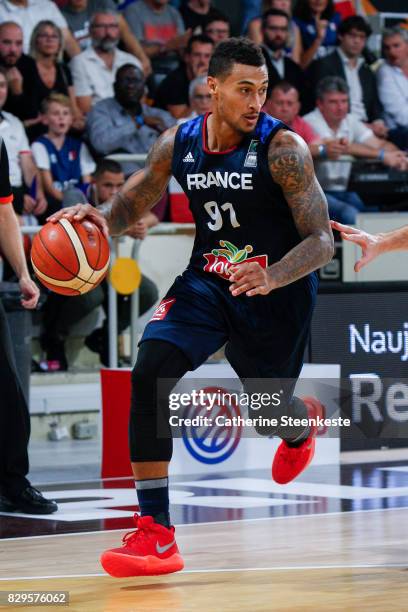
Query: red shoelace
x=144 y=525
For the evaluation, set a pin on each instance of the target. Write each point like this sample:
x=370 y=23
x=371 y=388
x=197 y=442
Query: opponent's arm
x=291 y=167
x=373 y=245
x=139 y=194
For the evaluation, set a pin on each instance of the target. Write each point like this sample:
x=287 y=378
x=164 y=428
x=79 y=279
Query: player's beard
x=234 y=125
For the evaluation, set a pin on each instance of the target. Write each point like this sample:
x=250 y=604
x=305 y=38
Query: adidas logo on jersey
x=189 y=157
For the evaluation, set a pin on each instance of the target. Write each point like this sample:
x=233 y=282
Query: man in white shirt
x=93 y=70
x=392 y=79
x=348 y=136
x=27 y=13
x=348 y=62
x=24 y=178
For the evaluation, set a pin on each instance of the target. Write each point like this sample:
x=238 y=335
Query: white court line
x=220 y=570
x=262 y=518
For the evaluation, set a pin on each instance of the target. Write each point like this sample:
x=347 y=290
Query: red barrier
x=115 y=416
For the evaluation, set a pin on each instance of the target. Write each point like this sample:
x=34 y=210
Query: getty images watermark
x=363 y=405
x=213 y=406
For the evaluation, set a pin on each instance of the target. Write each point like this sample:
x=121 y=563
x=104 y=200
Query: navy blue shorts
x=265 y=336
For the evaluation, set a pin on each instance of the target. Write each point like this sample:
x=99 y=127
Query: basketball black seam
x=61 y=264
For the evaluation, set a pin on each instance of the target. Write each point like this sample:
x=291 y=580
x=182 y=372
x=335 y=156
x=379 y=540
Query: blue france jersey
x=240 y=213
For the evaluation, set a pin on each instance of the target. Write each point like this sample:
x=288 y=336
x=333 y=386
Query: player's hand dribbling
x=370 y=243
x=80 y=212
x=251 y=279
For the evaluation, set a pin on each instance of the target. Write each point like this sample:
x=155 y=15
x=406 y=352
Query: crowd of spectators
x=83 y=79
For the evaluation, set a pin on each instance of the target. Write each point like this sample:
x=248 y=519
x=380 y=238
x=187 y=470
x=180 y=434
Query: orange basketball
x=70 y=257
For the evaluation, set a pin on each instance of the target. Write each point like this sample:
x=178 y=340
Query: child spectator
x=64 y=162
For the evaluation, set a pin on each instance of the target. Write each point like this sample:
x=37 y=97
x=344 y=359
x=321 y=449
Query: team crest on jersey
x=219 y=261
x=162 y=309
x=251 y=159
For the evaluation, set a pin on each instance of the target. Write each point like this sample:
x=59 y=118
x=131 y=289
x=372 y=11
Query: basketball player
x=262 y=231
x=373 y=245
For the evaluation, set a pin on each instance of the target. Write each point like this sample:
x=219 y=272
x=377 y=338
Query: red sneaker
x=148 y=551
x=290 y=461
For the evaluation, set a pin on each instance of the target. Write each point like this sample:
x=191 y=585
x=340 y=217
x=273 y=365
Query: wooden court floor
x=345 y=561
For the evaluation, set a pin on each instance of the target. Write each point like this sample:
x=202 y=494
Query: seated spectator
x=196 y=13
x=107 y=180
x=64 y=162
x=160 y=29
x=347 y=135
x=293 y=42
x=347 y=62
x=49 y=75
x=28 y=195
x=393 y=85
x=318 y=22
x=78 y=14
x=284 y=104
x=19 y=68
x=275 y=28
x=218 y=28
x=123 y=124
x=28 y=13
x=200 y=98
x=94 y=69
x=172 y=93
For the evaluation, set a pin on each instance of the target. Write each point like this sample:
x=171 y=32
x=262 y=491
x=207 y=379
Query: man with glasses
x=94 y=70
x=218 y=28
x=200 y=98
x=348 y=63
x=275 y=29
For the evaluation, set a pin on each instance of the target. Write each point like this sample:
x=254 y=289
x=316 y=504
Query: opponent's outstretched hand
x=80 y=212
x=370 y=243
x=251 y=279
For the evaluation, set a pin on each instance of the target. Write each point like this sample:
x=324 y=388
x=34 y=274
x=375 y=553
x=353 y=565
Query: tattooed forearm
x=291 y=167
x=143 y=189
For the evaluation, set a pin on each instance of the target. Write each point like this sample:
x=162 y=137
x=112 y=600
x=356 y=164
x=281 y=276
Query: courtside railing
x=163 y=229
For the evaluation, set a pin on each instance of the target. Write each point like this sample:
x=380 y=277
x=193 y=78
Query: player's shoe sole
x=120 y=565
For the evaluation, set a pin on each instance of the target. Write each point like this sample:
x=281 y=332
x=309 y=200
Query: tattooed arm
x=291 y=167
x=139 y=194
